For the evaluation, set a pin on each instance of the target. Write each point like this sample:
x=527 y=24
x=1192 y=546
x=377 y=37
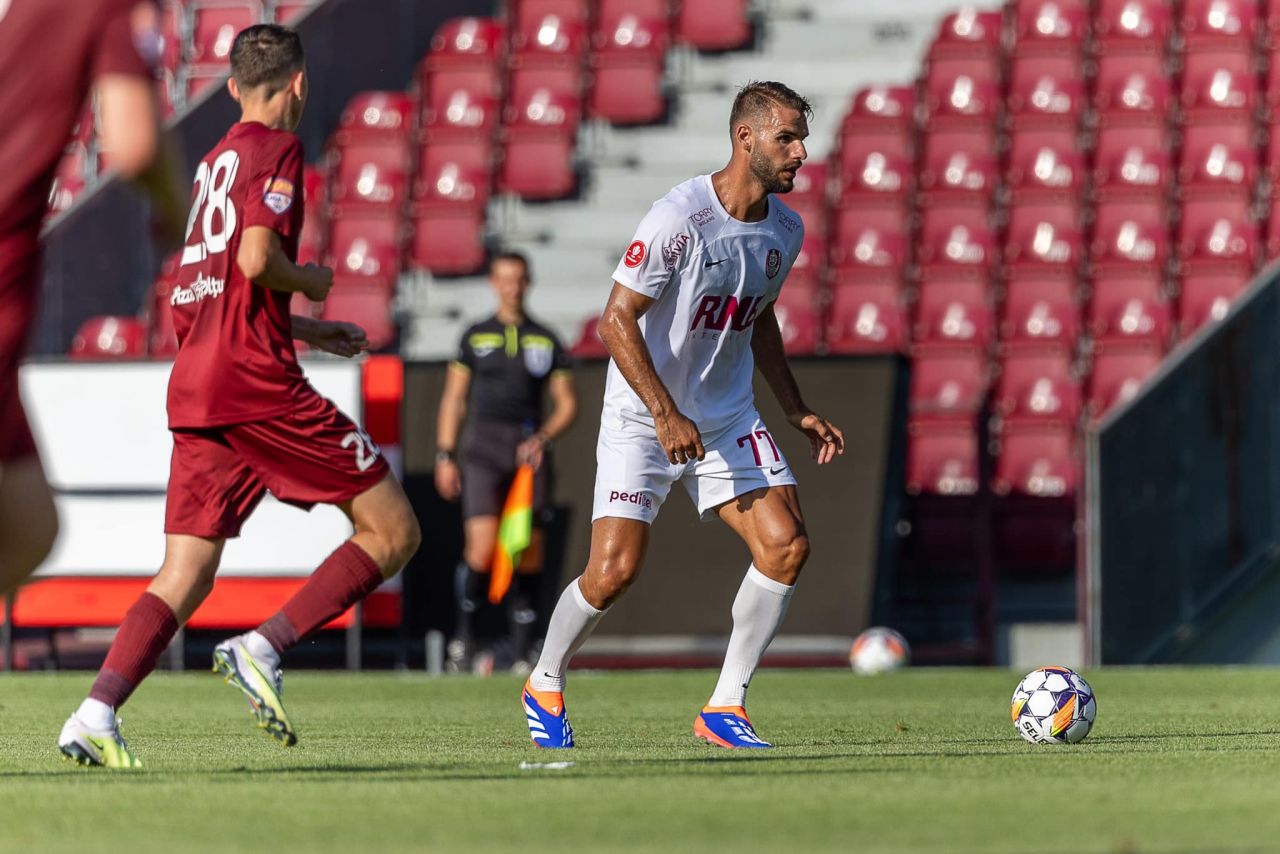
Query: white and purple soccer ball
x=1053 y=705
x=879 y=650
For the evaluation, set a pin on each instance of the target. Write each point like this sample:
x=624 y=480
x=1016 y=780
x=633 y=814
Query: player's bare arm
x=453 y=412
x=620 y=331
x=564 y=410
x=332 y=336
x=263 y=261
x=825 y=438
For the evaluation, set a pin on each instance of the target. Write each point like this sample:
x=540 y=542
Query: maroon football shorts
x=312 y=455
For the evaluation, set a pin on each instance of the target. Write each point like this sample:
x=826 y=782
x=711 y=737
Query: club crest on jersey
x=772 y=263
x=278 y=194
x=635 y=254
x=537 y=360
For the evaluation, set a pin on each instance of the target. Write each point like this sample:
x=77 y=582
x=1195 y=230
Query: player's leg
x=770 y=522
x=28 y=520
x=617 y=551
x=91 y=736
x=523 y=602
x=471 y=582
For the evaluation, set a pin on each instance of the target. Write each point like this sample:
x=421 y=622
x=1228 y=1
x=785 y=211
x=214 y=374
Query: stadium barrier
x=106 y=448
x=1183 y=498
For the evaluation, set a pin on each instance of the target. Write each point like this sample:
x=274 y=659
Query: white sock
x=261 y=649
x=96 y=714
x=572 y=622
x=757 y=612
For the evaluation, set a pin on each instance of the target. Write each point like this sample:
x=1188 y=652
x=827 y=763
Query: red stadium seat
x=546 y=94
x=808 y=196
x=958 y=173
x=1213 y=89
x=365 y=245
x=554 y=44
x=1037 y=460
x=1044 y=168
x=589 y=345
x=873 y=253
x=947 y=381
x=956 y=312
x=472 y=152
x=365 y=304
x=1127 y=309
x=962 y=97
x=537 y=163
x=627 y=70
x=529 y=15
x=378 y=112
x=214 y=25
x=1219 y=168
x=1119 y=370
x=1137 y=91
x=1118 y=215
x=453 y=182
x=609 y=12
x=857 y=213
x=1119 y=22
x=880 y=173
x=975 y=138
x=942 y=458
x=1199 y=61
x=461 y=110
x=892 y=106
x=1039 y=61
x=1052 y=21
x=1039 y=97
x=866 y=318
x=799 y=322
x=483 y=81
x=1206 y=294
x=1126 y=245
x=1037 y=385
x=714 y=24
x=966 y=246
x=371 y=171
x=467 y=42
x=1046 y=228
x=1134 y=168
x=109 y=337
x=1219 y=21
x=447 y=238
x=1040 y=309
x=1217 y=236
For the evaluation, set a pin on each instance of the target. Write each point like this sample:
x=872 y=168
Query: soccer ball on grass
x=878 y=650
x=1053 y=705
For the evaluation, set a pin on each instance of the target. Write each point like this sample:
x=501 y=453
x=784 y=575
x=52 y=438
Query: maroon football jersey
x=51 y=51
x=236 y=361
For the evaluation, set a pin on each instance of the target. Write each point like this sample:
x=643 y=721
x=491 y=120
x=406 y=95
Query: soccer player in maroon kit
x=244 y=418
x=53 y=53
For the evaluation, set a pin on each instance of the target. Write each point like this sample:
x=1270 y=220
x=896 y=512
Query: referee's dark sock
x=470 y=586
x=526 y=589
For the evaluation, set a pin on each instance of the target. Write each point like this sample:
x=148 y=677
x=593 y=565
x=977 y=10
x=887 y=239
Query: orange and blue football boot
x=547 y=718
x=727 y=726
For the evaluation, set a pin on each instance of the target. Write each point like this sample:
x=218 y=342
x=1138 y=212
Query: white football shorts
x=634 y=476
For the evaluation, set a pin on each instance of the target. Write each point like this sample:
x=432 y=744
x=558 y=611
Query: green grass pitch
x=927 y=760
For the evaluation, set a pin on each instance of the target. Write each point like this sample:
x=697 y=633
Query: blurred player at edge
x=244 y=418
x=52 y=54
x=690 y=314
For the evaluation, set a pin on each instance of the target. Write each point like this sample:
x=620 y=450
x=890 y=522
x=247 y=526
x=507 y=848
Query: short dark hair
x=266 y=54
x=510 y=255
x=757 y=97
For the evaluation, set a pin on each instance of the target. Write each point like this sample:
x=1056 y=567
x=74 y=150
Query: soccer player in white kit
x=689 y=317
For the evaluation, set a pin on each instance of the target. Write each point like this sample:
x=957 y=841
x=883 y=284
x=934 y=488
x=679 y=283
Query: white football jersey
x=710 y=275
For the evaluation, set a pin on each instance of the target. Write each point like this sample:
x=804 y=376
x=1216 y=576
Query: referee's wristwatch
x=446 y=457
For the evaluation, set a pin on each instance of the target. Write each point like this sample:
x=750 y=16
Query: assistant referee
x=506 y=364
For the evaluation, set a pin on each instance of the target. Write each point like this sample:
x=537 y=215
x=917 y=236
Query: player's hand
x=319 y=282
x=825 y=438
x=531 y=452
x=680 y=438
x=448 y=480
x=338 y=338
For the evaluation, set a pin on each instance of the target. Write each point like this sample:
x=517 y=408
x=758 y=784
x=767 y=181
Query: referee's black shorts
x=488 y=462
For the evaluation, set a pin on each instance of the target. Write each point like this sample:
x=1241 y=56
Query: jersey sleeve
x=466 y=358
x=658 y=252
x=275 y=184
x=560 y=360
x=130 y=41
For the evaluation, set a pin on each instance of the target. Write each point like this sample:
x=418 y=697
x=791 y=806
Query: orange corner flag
x=515 y=530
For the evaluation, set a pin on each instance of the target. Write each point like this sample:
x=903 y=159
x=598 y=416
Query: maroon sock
x=346 y=576
x=147 y=629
